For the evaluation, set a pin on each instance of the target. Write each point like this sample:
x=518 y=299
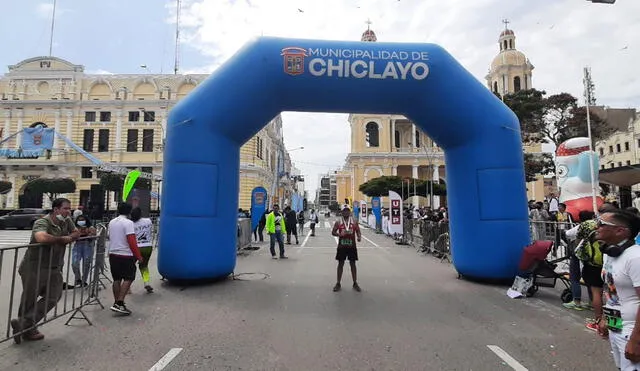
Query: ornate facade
x=118 y=119
x=393 y=145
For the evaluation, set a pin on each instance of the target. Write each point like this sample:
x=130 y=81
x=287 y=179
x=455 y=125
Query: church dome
x=510 y=57
x=507 y=32
x=369 y=35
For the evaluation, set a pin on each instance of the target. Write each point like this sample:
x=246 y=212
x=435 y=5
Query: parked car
x=21 y=218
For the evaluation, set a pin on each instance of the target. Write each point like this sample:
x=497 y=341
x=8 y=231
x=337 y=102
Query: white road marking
x=166 y=359
x=327 y=224
x=304 y=243
x=507 y=358
x=371 y=242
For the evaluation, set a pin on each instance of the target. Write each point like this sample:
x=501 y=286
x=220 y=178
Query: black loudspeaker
x=96 y=201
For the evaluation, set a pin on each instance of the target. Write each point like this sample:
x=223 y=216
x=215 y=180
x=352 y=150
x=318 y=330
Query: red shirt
x=348 y=240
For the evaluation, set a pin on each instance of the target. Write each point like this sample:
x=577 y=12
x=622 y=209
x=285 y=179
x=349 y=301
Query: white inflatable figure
x=573 y=175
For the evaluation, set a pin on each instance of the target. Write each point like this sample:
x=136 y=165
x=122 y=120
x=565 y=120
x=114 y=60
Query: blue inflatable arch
x=479 y=134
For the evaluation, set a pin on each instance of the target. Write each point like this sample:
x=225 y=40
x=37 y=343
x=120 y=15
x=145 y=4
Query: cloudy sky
x=560 y=37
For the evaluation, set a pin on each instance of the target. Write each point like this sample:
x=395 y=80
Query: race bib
x=613 y=318
x=346 y=242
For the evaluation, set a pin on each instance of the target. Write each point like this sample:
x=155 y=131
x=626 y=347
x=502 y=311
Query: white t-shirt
x=278 y=219
x=144 y=232
x=621 y=276
x=119 y=229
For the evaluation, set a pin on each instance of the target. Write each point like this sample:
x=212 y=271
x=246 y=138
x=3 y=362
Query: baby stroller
x=542 y=272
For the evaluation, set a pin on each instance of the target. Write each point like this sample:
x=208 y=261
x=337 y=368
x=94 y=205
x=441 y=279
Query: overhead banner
x=395 y=213
x=37 y=138
x=363 y=211
x=375 y=207
x=258 y=205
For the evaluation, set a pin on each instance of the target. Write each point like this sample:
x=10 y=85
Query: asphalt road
x=413 y=314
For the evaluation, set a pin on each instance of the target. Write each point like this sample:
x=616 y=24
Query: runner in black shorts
x=347 y=230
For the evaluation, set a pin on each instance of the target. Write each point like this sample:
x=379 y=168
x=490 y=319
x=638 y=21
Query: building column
x=394 y=170
x=393 y=135
x=20 y=114
x=69 y=114
x=413 y=137
x=56 y=128
x=7 y=126
x=436 y=180
x=414 y=174
x=118 y=129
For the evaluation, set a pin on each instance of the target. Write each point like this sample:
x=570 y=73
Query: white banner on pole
x=395 y=213
x=363 y=212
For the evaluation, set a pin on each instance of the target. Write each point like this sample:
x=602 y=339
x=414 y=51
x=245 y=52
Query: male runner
x=347 y=230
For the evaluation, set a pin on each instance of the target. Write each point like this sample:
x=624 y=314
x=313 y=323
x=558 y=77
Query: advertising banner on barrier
x=356 y=210
x=258 y=205
x=377 y=212
x=395 y=213
x=363 y=211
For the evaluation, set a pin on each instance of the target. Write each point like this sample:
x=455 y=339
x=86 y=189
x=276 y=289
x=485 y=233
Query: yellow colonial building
x=383 y=145
x=117 y=120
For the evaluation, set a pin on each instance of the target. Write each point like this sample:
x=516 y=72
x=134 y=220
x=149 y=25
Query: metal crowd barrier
x=40 y=292
x=552 y=231
x=244 y=233
x=435 y=238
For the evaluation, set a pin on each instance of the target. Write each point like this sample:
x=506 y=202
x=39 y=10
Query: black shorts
x=344 y=253
x=122 y=267
x=592 y=275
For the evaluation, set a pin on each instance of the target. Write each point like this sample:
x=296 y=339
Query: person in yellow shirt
x=276 y=228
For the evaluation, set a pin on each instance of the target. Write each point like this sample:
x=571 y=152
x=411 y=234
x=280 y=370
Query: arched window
x=417 y=138
x=510 y=44
x=396 y=139
x=495 y=87
x=372 y=135
x=36 y=124
x=516 y=84
x=505 y=45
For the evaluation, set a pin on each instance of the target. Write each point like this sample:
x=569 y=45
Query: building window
x=132 y=140
x=147 y=169
x=90 y=116
x=601 y=151
x=86 y=173
x=103 y=140
x=516 y=84
x=149 y=116
x=105 y=116
x=619 y=163
x=618 y=147
x=602 y=167
x=259 y=147
x=147 y=140
x=505 y=45
x=134 y=116
x=611 y=165
x=495 y=87
x=417 y=138
x=372 y=135
x=628 y=162
x=87 y=140
x=397 y=139
x=626 y=146
x=610 y=149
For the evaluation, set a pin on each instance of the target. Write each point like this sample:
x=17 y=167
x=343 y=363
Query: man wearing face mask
x=43 y=264
x=621 y=275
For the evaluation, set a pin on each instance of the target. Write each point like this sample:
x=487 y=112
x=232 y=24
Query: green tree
x=52 y=187
x=382 y=185
x=5 y=187
x=529 y=107
x=536 y=164
x=114 y=182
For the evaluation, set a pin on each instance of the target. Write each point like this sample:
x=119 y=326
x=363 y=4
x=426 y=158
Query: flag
x=129 y=182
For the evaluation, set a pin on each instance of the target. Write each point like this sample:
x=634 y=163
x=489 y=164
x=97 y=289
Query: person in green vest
x=276 y=228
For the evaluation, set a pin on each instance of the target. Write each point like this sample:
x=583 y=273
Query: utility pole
x=176 y=61
x=589 y=99
x=53 y=23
